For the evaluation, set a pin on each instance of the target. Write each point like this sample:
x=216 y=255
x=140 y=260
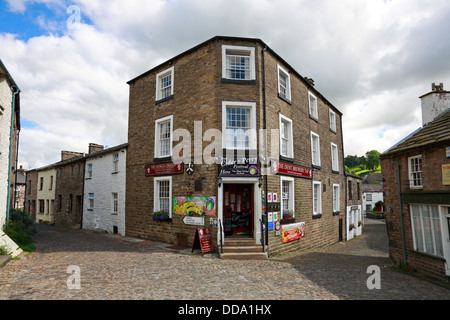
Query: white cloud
x=371 y=59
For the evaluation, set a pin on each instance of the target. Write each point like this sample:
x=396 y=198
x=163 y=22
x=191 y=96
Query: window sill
x=284 y=99
x=162 y=159
x=336 y=213
x=314 y=118
x=164 y=99
x=333 y=131
x=87 y=178
x=115 y=172
x=335 y=172
x=90 y=209
x=316 y=167
x=225 y=80
x=317 y=215
x=287 y=221
x=428 y=255
x=287 y=159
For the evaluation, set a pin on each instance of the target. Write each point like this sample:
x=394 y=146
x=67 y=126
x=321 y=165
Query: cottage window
x=91 y=201
x=238 y=63
x=163 y=137
x=317 y=197
x=336 y=197
x=313 y=112
x=41 y=206
x=115 y=162
x=284 y=83
x=334 y=158
x=164 y=84
x=286 y=141
x=163 y=194
x=41 y=184
x=239 y=125
x=415 y=172
x=427 y=230
x=333 y=121
x=315 y=149
x=115 y=199
x=89 y=170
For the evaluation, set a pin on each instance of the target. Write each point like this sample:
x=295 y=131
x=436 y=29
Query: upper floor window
x=163 y=137
x=284 y=83
x=238 y=63
x=333 y=121
x=415 y=172
x=115 y=162
x=164 y=84
x=286 y=141
x=89 y=170
x=315 y=149
x=313 y=112
x=239 y=125
x=334 y=158
x=41 y=184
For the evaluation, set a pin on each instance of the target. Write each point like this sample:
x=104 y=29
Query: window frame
x=336 y=198
x=156 y=205
x=89 y=170
x=158 y=95
x=290 y=141
x=246 y=51
x=410 y=172
x=334 y=157
x=319 y=198
x=432 y=226
x=315 y=114
x=291 y=198
x=332 y=116
x=157 y=144
x=315 y=162
x=252 y=137
x=115 y=162
x=115 y=203
x=287 y=96
x=91 y=201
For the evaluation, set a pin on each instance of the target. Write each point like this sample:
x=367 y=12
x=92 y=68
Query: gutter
x=401 y=210
x=265 y=140
x=10 y=148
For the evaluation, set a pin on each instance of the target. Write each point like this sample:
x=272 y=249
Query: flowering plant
x=288 y=214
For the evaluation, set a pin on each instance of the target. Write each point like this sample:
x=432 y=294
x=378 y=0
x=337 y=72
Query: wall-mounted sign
x=293 y=232
x=289 y=169
x=239 y=167
x=163 y=169
x=194 y=221
x=269 y=197
x=446 y=174
x=190 y=168
x=275 y=197
x=194 y=206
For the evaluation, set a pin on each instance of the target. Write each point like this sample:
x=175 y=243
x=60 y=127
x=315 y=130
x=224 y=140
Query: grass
x=361 y=171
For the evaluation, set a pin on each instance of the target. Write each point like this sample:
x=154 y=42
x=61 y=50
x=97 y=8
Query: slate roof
x=435 y=132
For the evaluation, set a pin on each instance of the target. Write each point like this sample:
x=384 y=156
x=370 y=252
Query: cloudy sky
x=71 y=59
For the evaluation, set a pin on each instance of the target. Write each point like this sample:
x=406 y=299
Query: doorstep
x=4 y=259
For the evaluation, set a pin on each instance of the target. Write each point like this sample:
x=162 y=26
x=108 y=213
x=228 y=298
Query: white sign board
x=195 y=221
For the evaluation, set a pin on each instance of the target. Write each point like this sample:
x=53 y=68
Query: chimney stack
x=93 y=147
x=66 y=155
x=434 y=103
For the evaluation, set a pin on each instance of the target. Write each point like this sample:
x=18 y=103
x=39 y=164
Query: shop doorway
x=238 y=210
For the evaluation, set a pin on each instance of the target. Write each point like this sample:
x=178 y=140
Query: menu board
x=202 y=240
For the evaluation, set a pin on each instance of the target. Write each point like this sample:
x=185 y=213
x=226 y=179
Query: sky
x=372 y=59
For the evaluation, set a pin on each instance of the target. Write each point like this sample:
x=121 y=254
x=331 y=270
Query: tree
x=372 y=159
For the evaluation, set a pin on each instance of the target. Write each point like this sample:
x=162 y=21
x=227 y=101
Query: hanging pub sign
x=163 y=169
x=239 y=167
x=278 y=167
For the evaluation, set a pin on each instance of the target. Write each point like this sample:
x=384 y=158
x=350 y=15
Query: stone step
x=237 y=249
x=244 y=255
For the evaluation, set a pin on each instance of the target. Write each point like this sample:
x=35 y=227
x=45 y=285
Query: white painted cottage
x=104 y=190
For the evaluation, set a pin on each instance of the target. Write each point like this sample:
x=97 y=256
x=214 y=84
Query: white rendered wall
x=103 y=184
x=5 y=134
x=47 y=194
x=433 y=105
x=376 y=196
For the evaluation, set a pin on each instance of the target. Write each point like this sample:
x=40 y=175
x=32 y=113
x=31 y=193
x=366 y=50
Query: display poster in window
x=239 y=167
x=293 y=232
x=194 y=206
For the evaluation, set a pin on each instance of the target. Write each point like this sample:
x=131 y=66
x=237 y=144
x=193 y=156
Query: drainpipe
x=401 y=210
x=265 y=140
x=10 y=149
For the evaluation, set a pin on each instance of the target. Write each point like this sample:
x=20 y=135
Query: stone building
x=354 y=207
x=31 y=193
x=9 y=140
x=259 y=153
x=19 y=196
x=416 y=174
x=104 y=190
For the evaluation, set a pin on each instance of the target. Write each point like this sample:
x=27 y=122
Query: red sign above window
x=278 y=167
x=163 y=168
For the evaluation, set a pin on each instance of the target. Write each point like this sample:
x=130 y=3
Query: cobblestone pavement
x=114 y=267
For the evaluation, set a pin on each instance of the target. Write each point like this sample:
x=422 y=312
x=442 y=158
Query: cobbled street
x=115 y=267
